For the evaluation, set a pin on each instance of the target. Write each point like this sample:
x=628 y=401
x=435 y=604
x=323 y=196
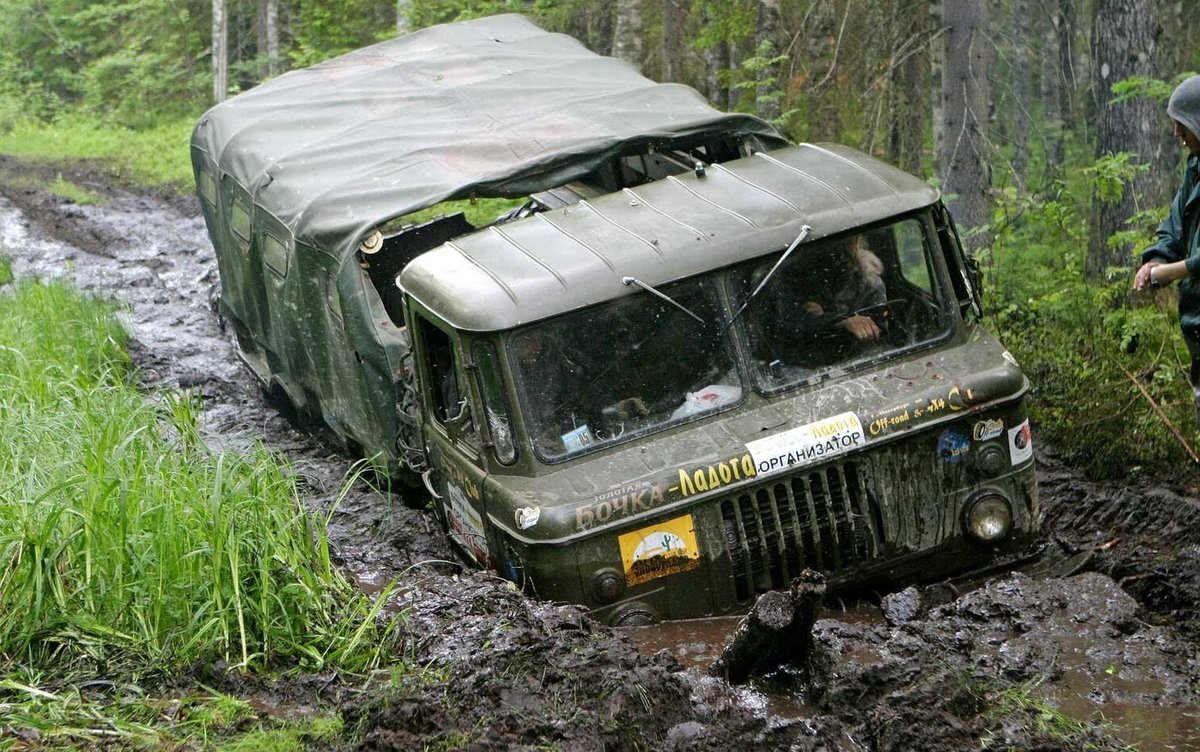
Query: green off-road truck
x=689 y=361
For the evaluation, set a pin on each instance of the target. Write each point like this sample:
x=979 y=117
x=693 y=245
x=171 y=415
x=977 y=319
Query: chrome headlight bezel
x=988 y=517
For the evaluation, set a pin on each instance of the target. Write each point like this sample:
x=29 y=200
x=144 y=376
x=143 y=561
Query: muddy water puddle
x=1113 y=688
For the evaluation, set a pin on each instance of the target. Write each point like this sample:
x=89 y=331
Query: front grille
x=824 y=519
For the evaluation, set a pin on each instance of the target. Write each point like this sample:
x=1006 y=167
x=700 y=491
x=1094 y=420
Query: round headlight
x=607 y=585
x=988 y=517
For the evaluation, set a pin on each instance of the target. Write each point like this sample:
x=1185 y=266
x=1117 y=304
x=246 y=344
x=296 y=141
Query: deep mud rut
x=1114 y=636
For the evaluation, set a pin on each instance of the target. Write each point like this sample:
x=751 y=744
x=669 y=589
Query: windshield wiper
x=804 y=231
x=664 y=296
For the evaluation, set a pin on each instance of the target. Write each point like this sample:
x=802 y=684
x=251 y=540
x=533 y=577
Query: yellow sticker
x=659 y=550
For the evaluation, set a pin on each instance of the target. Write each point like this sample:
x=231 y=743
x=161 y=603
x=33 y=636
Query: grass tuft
x=129 y=551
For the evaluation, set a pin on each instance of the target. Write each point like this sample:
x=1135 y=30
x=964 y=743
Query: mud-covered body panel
x=934 y=431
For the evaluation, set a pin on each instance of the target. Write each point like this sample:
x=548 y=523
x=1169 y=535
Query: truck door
x=452 y=437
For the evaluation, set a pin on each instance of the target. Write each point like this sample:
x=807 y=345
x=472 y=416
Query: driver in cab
x=844 y=283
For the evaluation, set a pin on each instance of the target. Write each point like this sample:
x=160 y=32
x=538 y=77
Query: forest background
x=1043 y=122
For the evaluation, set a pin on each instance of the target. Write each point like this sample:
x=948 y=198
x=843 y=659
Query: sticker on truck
x=804 y=445
x=659 y=550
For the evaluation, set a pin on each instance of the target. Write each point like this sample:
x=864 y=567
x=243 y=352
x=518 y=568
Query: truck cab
x=668 y=406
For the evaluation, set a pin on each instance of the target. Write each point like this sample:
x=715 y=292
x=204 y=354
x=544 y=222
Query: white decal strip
x=807 y=444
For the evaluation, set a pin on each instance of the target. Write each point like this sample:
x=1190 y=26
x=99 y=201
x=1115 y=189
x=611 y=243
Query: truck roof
x=575 y=256
x=491 y=107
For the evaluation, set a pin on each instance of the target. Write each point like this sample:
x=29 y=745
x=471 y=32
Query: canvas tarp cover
x=493 y=107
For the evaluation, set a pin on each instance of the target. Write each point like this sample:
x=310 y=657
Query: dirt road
x=1005 y=666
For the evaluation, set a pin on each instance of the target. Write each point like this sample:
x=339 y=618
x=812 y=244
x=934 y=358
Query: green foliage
x=728 y=21
x=760 y=78
x=326 y=28
x=1086 y=347
x=125 y=716
x=126 y=546
x=1137 y=87
x=1112 y=172
x=130 y=62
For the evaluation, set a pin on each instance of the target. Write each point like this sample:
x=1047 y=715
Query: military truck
x=687 y=362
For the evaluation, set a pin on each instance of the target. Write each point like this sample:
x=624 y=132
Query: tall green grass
x=151 y=156
x=129 y=549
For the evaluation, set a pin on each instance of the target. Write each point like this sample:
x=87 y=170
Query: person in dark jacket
x=1176 y=253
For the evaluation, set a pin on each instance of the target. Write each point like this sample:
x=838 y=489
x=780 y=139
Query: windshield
x=840 y=302
x=624 y=368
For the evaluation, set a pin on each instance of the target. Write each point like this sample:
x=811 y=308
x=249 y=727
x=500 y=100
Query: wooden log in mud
x=777 y=630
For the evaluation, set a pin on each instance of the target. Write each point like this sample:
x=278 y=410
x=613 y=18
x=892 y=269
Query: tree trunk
x=1052 y=125
x=963 y=158
x=1021 y=91
x=937 y=67
x=716 y=60
x=220 y=51
x=600 y=29
x=769 y=96
x=1125 y=40
x=1066 y=26
x=672 y=40
x=272 y=24
x=627 y=35
x=909 y=87
x=402 y=16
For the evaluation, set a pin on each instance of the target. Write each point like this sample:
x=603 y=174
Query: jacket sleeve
x=1169 y=245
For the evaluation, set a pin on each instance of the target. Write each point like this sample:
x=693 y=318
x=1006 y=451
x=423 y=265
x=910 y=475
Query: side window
x=239 y=221
x=275 y=254
x=495 y=403
x=914 y=261
x=444 y=390
x=964 y=273
x=208 y=187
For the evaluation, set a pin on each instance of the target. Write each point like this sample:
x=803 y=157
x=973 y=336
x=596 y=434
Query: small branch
x=1159 y=411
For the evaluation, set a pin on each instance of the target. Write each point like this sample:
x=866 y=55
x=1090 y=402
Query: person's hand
x=862 y=327
x=1141 y=280
x=813 y=308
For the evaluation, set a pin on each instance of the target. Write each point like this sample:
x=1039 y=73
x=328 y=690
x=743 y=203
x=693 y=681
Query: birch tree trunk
x=1124 y=40
x=220 y=51
x=963 y=158
x=272 y=24
x=627 y=35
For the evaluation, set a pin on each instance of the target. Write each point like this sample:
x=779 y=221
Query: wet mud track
x=1115 y=640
